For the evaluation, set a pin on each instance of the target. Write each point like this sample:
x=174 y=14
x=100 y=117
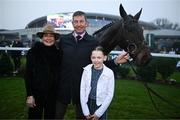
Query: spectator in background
x=172 y=51
x=16 y=55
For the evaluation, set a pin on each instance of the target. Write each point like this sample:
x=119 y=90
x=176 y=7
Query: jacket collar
x=82 y=35
x=104 y=72
x=86 y=35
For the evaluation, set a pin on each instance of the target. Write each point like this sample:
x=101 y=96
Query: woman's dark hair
x=100 y=48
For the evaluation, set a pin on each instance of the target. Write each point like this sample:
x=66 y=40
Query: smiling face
x=48 y=39
x=79 y=24
x=97 y=58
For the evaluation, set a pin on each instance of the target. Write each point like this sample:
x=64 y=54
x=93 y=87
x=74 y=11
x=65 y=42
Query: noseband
x=131 y=47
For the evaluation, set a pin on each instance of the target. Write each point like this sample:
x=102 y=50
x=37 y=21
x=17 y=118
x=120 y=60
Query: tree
x=6 y=66
x=166 y=24
x=166 y=67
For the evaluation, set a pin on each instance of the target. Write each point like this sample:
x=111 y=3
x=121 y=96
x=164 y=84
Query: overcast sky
x=16 y=14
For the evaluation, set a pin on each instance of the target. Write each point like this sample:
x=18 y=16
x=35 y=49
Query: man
x=77 y=47
x=16 y=55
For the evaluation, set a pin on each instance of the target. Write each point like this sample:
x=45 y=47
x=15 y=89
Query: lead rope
x=149 y=90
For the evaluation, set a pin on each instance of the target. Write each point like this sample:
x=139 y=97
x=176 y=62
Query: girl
x=97 y=86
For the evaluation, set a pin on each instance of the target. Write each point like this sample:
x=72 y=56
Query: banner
x=61 y=21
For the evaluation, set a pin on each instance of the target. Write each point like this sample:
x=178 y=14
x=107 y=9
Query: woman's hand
x=30 y=102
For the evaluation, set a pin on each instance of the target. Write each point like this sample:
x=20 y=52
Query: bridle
x=131 y=47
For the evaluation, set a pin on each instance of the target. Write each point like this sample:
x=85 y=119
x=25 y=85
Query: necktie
x=78 y=37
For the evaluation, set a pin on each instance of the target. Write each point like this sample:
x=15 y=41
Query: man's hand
x=30 y=102
x=122 y=58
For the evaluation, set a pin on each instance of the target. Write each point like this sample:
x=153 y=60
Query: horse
x=128 y=35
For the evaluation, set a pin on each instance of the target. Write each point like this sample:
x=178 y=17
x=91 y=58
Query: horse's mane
x=103 y=28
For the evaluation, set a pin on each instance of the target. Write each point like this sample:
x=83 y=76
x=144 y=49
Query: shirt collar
x=82 y=35
x=105 y=72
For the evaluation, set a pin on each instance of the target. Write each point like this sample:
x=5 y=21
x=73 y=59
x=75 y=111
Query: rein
x=151 y=91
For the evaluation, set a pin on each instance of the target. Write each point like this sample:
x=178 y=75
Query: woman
x=43 y=62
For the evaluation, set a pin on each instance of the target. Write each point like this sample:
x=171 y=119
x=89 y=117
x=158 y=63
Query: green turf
x=12 y=92
x=130 y=101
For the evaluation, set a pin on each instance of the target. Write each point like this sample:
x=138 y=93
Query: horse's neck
x=111 y=37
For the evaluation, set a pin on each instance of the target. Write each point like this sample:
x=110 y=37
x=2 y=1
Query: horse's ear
x=137 y=16
x=122 y=11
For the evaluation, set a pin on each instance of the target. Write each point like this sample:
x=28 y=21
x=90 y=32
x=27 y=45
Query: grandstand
x=96 y=21
x=155 y=37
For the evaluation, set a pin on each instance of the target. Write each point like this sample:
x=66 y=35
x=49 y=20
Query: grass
x=130 y=101
x=176 y=76
x=12 y=100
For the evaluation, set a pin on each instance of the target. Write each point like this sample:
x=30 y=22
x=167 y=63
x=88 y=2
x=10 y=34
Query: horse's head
x=128 y=34
x=132 y=33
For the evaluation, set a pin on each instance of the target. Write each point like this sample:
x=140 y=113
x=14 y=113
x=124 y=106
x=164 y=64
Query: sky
x=16 y=14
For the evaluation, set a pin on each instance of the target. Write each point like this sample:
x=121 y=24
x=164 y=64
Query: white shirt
x=105 y=90
x=82 y=35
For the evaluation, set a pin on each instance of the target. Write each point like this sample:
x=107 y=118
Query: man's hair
x=80 y=13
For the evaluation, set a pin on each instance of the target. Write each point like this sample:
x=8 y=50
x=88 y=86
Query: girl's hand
x=95 y=117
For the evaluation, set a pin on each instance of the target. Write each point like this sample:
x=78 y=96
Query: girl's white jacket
x=104 y=93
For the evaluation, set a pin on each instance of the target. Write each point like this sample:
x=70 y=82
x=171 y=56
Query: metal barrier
x=112 y=53
x=14 y=48
x=153 y=54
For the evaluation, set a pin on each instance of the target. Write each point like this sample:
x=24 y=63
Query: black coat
x=42 y=65
x=75 y=57
x=16 y=53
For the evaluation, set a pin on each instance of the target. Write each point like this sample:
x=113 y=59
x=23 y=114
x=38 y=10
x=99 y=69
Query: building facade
x=63 y=24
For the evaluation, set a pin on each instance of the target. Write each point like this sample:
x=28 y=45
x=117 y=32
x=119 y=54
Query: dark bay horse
x=128 y=35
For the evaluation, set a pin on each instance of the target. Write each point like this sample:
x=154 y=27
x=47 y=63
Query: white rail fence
x=114 y=53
